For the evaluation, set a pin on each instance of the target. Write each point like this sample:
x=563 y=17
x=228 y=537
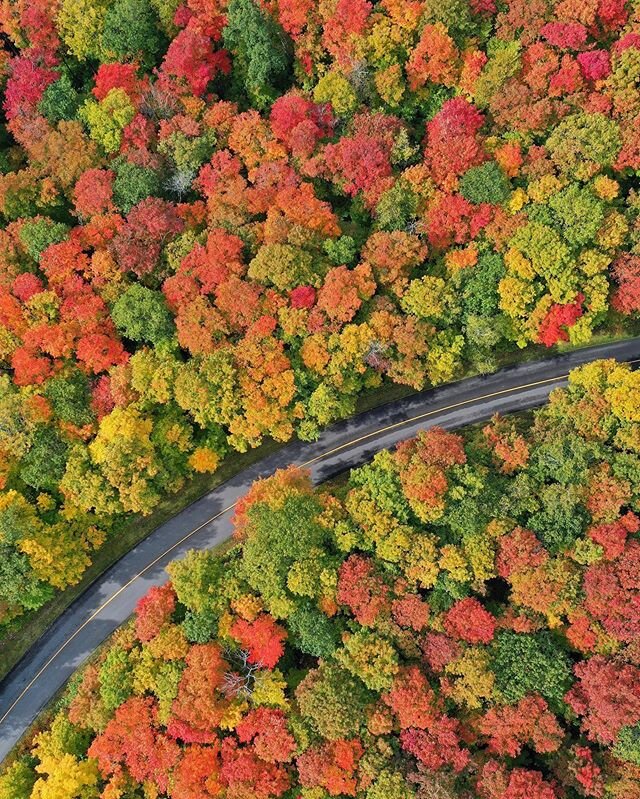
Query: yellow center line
x=186 y=537
x=431 y=413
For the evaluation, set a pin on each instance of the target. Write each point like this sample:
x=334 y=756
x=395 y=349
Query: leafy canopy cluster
x=429 y=628
x=225 y=220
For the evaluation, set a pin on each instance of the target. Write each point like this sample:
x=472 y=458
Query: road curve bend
x=110 y=600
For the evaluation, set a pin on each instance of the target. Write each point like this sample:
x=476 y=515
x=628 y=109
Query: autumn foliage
x=346 y=647
x=224 y=221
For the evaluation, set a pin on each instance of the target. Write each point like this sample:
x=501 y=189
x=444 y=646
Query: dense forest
x=224 y=221
x=458 y=620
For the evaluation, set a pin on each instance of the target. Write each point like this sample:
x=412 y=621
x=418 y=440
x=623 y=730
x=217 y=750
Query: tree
x=36 y=236
x=611 y=590
x=278 y=538
x=17 y=781
x=116 y=678
x=262 y=638
x=261 y=51
x=137 y=246
x=131 y=31
x=44 y=464
x=364 y=592
x=626 y=270
x=282 y=266
x=486 y=183
x=267 y=729
x=434 y=59
x=65 y=777
x=191 y=60
x=370 y=657
x=93 y=192
x=344 y=291
x=107 y=119
x=605 y=713
x=141 y=314
x=197 y=774
x=312 y=632
x=132 y=183
x=131 y=738
x=333 y=700
x=332 y=766
x=423 y=462
x=456 y=118
x=199 y=706
x=244 y=773
x=80 y=25
x=468 y=620
x=154 y=611
x=526 y=663
x=511 y=727
x=124 y=452
x=520 y=783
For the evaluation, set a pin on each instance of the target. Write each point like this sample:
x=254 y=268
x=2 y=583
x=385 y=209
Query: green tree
x=18 y=780
x=562 y=518
x=69 y=395
x=279 y=538
x=197 y=580
x=107 y=119
x=44 y=464
x=116 y=678
x=370 y=657
x=578 y=214
x=131 y=31
x=262 y=51
x=531 y=663
x=141 y=314
x=132 y=183
x=486 y=183
x=312 y=632
x=38 y=234
x=627 y=746
x=19 y=586
x=396 y=207
x=342 y=250
x=390 y=784
x=479 y=285
x=334 y=701
x=282 y=266
x=60 y=100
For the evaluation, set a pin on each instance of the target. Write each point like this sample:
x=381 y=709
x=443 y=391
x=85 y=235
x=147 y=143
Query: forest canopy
x=226 y=221
x=459 y=619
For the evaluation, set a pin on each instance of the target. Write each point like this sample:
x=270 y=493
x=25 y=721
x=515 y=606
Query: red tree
x=511 y=727
x=361 y=590
x=197 y=774
x=263 y=639
x=332 y=766
x=199 y=706
x=607 y=696
x=154 y=610
x=267 y=729
x=469 y=621
x=626 y=271
x=245 y=775
x=132 y=739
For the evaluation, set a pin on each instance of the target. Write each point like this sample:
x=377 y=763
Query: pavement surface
x=111 y=599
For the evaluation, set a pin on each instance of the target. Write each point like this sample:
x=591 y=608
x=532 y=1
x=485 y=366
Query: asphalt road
x=112 y=598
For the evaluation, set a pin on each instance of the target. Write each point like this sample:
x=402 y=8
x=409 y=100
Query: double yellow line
x=186 y=537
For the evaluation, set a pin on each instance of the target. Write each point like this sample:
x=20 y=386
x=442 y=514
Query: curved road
x=207 y=522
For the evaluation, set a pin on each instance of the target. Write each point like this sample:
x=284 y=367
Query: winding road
x=109 y=601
